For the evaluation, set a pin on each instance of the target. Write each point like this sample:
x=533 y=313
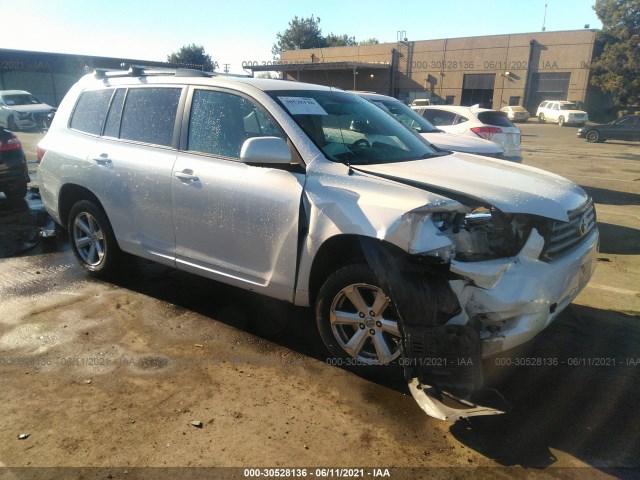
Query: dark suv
x=14 y=176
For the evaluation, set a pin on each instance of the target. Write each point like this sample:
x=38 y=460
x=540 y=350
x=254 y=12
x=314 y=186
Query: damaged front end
x=486 y=286
x=442 y=363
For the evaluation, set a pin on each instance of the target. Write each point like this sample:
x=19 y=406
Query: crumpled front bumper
x=516 y=298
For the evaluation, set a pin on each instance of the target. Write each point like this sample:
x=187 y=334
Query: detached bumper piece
x=442 y=363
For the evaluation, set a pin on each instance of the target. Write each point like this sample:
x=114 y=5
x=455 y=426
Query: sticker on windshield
x=302 y=106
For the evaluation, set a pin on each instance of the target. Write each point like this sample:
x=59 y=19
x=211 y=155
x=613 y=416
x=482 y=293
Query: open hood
x=510 y=187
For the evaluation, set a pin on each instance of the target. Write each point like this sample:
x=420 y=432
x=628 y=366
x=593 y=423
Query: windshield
x=20 y=99
x=568 y=106
x=406 y=115
x=349 y=129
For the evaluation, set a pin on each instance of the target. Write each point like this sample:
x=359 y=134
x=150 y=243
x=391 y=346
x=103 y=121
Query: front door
x=234 y=222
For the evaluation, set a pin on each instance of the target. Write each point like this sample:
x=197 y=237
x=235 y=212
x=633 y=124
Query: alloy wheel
x=88 y=239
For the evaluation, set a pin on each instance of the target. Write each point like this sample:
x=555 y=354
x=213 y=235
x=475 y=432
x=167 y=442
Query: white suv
x=476 y=122
x=317 y=197
x=561 y=112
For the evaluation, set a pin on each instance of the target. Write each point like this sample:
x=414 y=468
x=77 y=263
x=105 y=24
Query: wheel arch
x=69 y=195
x=334 y=253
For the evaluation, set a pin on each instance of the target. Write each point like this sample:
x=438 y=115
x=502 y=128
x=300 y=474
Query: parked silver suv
x=317 y=197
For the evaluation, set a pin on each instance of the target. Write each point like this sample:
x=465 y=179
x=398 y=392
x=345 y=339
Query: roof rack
x=142 y=71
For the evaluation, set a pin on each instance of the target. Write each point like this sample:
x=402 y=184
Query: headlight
x=483 y=233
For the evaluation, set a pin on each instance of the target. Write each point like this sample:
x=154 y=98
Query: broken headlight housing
x=484 y=233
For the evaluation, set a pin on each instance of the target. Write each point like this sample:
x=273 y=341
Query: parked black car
x=625 y=128
x=14 y=175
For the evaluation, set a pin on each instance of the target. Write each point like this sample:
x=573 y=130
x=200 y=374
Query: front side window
x=349 y=129
x=149 y=115
x=220 y=122
x=406 y=115
x=90 y=111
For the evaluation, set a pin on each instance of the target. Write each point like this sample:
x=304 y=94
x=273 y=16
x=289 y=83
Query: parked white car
x=516 y=113
x=410 y=256
x=435 y=136
x=20 y=109
x=476 y=122
x=561 y=112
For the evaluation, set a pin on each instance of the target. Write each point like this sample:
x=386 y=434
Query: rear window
x=91 y=111
x=149 y=115
x=499 y=119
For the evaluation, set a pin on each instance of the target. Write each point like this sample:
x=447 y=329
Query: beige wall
x=448 y=60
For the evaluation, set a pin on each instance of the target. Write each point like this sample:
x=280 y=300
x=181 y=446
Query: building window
x=514 y=101
x=450 y=99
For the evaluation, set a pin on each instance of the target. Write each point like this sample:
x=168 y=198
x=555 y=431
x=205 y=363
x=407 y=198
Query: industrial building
x=49 y=76
x=493 y=71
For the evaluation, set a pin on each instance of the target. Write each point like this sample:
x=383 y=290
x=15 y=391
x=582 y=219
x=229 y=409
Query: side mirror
x=265 y=151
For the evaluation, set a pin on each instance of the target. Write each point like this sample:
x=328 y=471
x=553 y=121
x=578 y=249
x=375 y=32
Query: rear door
x=234 y=222
x=131 y=169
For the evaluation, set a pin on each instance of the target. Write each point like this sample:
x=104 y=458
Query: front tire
x=358 y=321
x=593 y=136
x=541 y=118
x=92 y=239
x=11 y=124
x=561 y=121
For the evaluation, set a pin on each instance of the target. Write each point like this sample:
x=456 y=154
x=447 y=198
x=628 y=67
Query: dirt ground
x=104 y=374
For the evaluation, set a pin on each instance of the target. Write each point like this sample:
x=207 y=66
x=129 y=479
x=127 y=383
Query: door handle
x=103 y=159
x=186 y=175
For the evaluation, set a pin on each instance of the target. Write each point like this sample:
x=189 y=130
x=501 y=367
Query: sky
x=237 y=31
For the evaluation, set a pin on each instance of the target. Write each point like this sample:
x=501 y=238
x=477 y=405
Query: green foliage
x=193 y=55
x=302 y=33
x=306 y=33
x=617 y=69
x=333 y=40
x=369 y=41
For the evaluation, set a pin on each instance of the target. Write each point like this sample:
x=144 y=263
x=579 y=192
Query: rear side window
x=498 y=119
x=439 y=117
x=149 y=115
x=91 y=111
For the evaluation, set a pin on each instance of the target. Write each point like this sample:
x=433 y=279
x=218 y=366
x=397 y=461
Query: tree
x=193 y=55
x=345 y=40
x=302 y=33
x=370 y=41
x=306 y=33
x=617 y=69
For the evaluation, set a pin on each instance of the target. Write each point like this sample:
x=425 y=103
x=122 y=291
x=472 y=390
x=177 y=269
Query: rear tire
x=561 y=121
x=92 y=239
x=16 y=192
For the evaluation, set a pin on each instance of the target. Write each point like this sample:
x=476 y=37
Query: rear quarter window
x=90 y=111
x=439 y=117
x=495 y=118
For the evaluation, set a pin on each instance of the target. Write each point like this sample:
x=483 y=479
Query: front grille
x=563 y=236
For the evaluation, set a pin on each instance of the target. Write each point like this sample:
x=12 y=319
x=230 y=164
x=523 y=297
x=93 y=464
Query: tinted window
x=90 y=111
x=112 y=127
x=149 y=115
x=220 y=123
x=439 y=117
x=461 y=119
x=495 y=118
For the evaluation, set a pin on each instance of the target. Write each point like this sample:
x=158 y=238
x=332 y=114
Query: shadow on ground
x=585 y=406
